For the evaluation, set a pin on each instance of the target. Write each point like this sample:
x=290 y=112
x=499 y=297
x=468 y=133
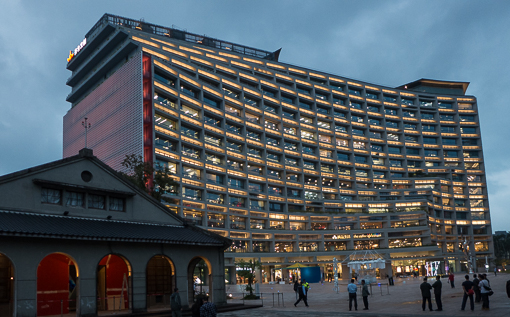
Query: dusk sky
x=382 y=42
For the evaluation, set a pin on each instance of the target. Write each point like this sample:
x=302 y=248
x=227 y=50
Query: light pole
x=86 y=125
x=335 y=271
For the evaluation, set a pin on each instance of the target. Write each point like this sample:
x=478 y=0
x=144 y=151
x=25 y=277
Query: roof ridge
x=90 y=219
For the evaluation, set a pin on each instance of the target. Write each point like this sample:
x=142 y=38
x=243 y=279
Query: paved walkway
x=404 y=300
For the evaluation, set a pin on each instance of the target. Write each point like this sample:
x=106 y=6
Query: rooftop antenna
x=86 y=125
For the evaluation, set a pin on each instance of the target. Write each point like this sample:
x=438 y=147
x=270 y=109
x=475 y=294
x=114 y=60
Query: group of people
x=352 y=290
x=479 y=288
x=201 y=308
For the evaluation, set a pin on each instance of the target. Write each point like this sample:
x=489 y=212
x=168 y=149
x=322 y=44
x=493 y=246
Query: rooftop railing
x=180 y=35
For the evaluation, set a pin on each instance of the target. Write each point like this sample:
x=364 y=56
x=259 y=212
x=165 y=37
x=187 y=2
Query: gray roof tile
x=64 y=227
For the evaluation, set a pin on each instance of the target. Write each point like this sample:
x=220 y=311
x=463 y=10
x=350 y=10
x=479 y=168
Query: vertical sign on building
x=148 y=115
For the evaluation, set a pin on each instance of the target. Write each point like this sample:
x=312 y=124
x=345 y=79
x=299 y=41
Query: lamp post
x=335 y=271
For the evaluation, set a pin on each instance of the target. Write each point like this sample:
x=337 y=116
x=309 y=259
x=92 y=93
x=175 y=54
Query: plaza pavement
x=404 y=300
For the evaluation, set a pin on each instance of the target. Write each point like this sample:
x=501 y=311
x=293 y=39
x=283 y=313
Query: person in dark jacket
x=437 y=293
x=175 y=303
x=425 y=294
x=208 y=309
x=467 y=287
x=296 y=288
x=302 y=295
x=365 y=293
x=476 y=289
x=195 y=309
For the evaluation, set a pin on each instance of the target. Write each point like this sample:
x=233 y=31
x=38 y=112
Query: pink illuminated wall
x=115 y=112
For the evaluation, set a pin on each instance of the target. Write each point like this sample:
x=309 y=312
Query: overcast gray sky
x=382 y=42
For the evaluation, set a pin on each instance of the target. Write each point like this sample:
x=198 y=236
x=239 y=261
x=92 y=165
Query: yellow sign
x=72 y=54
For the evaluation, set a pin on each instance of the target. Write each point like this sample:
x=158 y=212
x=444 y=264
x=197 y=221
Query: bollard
x=262 y=298
x=283 y=302
x=273 y=299
x=61 y=308
x=380 y=289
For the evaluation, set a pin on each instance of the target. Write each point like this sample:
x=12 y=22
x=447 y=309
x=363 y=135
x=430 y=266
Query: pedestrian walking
x=467 y=287
x=352 y=289
x=495 y=270
x=307 y=287
x=175 y=303
x=476 y=288
x=208 y=309
x=302 y=294
x=485 y=289
x=437 y=286
x=451 y=279
x=296 y=288
x=425 y=293
x=365 y=293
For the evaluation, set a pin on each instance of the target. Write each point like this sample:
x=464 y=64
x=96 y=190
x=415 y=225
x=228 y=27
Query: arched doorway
x=113 y=284
x=160 y=281
x=6 y=286
x=57 y=285
x=199 y=279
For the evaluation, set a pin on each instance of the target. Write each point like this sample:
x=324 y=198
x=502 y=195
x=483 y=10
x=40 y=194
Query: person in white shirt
x=485 y=289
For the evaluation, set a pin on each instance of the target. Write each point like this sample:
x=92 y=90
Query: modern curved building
x=293 y=164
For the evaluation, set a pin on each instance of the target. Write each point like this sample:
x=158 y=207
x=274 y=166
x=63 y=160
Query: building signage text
x=80 y=46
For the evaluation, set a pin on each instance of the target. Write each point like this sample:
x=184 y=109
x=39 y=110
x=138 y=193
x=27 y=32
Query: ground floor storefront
x=279 y=270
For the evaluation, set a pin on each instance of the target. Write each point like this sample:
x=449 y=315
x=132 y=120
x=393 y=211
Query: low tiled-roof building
x=75 y=236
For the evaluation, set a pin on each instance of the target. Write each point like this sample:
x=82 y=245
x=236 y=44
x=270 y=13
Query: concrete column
x=139 y=297
x=346 y=272
x=218 y=279
x=182 y=283
x=87 y=293
x=457 y=266
x=25 y=288
x=386 y=270
x=258 y=272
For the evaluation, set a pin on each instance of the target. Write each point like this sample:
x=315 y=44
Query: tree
x=247 y=270
x=154 y=181
x=502 y=246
